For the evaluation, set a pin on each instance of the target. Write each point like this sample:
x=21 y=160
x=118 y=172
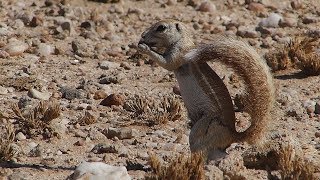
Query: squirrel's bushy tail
x=259 y=90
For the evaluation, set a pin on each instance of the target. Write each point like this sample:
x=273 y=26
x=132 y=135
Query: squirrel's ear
x=178 y=27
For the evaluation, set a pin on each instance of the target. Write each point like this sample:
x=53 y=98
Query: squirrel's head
x=163 y=34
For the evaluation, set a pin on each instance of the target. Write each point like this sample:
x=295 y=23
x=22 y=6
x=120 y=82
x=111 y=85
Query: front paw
x=143 y=48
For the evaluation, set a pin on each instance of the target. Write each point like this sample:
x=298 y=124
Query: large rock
x=99 y=171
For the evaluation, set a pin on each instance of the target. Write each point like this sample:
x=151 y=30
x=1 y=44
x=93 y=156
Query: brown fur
x=203 y=106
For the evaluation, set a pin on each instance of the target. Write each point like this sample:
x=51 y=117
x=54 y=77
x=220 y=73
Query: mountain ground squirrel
x=206 y=97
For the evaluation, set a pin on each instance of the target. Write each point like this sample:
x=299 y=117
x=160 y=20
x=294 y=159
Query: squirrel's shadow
x=34 y=166
x=295 y=75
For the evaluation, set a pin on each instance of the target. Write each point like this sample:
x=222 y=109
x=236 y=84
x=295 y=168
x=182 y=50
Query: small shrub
x=301 y=52
x=87 y=119
x=292 y=165
x=6 y=140
x=37 y=120
x=182 y=167
x=149 y=112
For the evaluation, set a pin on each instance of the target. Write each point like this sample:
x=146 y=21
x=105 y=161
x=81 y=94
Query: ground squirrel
x=206 y=97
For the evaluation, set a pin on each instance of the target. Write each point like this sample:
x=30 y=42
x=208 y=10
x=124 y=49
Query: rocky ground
x=73 y=88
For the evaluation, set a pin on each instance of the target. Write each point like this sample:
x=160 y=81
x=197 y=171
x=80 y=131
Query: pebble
x=20 y=136
x=317 y=134
x=100 y=94
x=79 y=143
x=3 y=90
x=310 y=106
x=4 y=54
x=70 y=93
x=247 y=33
x=39 y=95
x=123 y=133
x=109 y=80
x=108 y=65
x=207 y=6
x=113 y=99
x=296 y=4
x=288 y=22
x=16 y=47
x=44 y=49
x=309 y=20
x=317 y=107
x=256 y=7
x=125 y=65
x=271 y=21
x=100 y=170
x=104 y=148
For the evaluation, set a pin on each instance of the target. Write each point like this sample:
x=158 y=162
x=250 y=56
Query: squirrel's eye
x=161 y=28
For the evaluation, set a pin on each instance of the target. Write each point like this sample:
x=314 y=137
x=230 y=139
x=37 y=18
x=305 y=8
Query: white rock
x=44 y=49
x=108 y=65
x=39 y=95
x=16 y=47
x=3 y=90
x=100 y=171
x=20 y=136
x=271 y=21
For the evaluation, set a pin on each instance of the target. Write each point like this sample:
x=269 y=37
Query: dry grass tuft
x=301 y=52
x=293 y=166
x=149 y=112
x=87 y=119
x=182 y=167
x=278 y=60
x=6 y=141
x=37 y=120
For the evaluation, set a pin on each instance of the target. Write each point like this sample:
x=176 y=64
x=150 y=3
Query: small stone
x=176 y=90
x=207 y=6
x=309 y=20
x=79 y=143
x=87 y=24
x=288 y=22
x=3 y=90
x=44 y=49
x=100 y=94
x=4 y=54
x=70 y=93
x=124 y=133
x=317 y=134
x=20 y=136
x=80 y=134
x=125 y=65
x=109 y=80
x=296 y=4
x=36 y=21
x=113 y=99
x=246 y=33
x=108 y=65
x=39 y=95
x=271 y=21
x=16 y=47
x=100 y=170
x=104 y=148
x=171 y=2
x=267 y=43
x=317 y=108
x=256 y=7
